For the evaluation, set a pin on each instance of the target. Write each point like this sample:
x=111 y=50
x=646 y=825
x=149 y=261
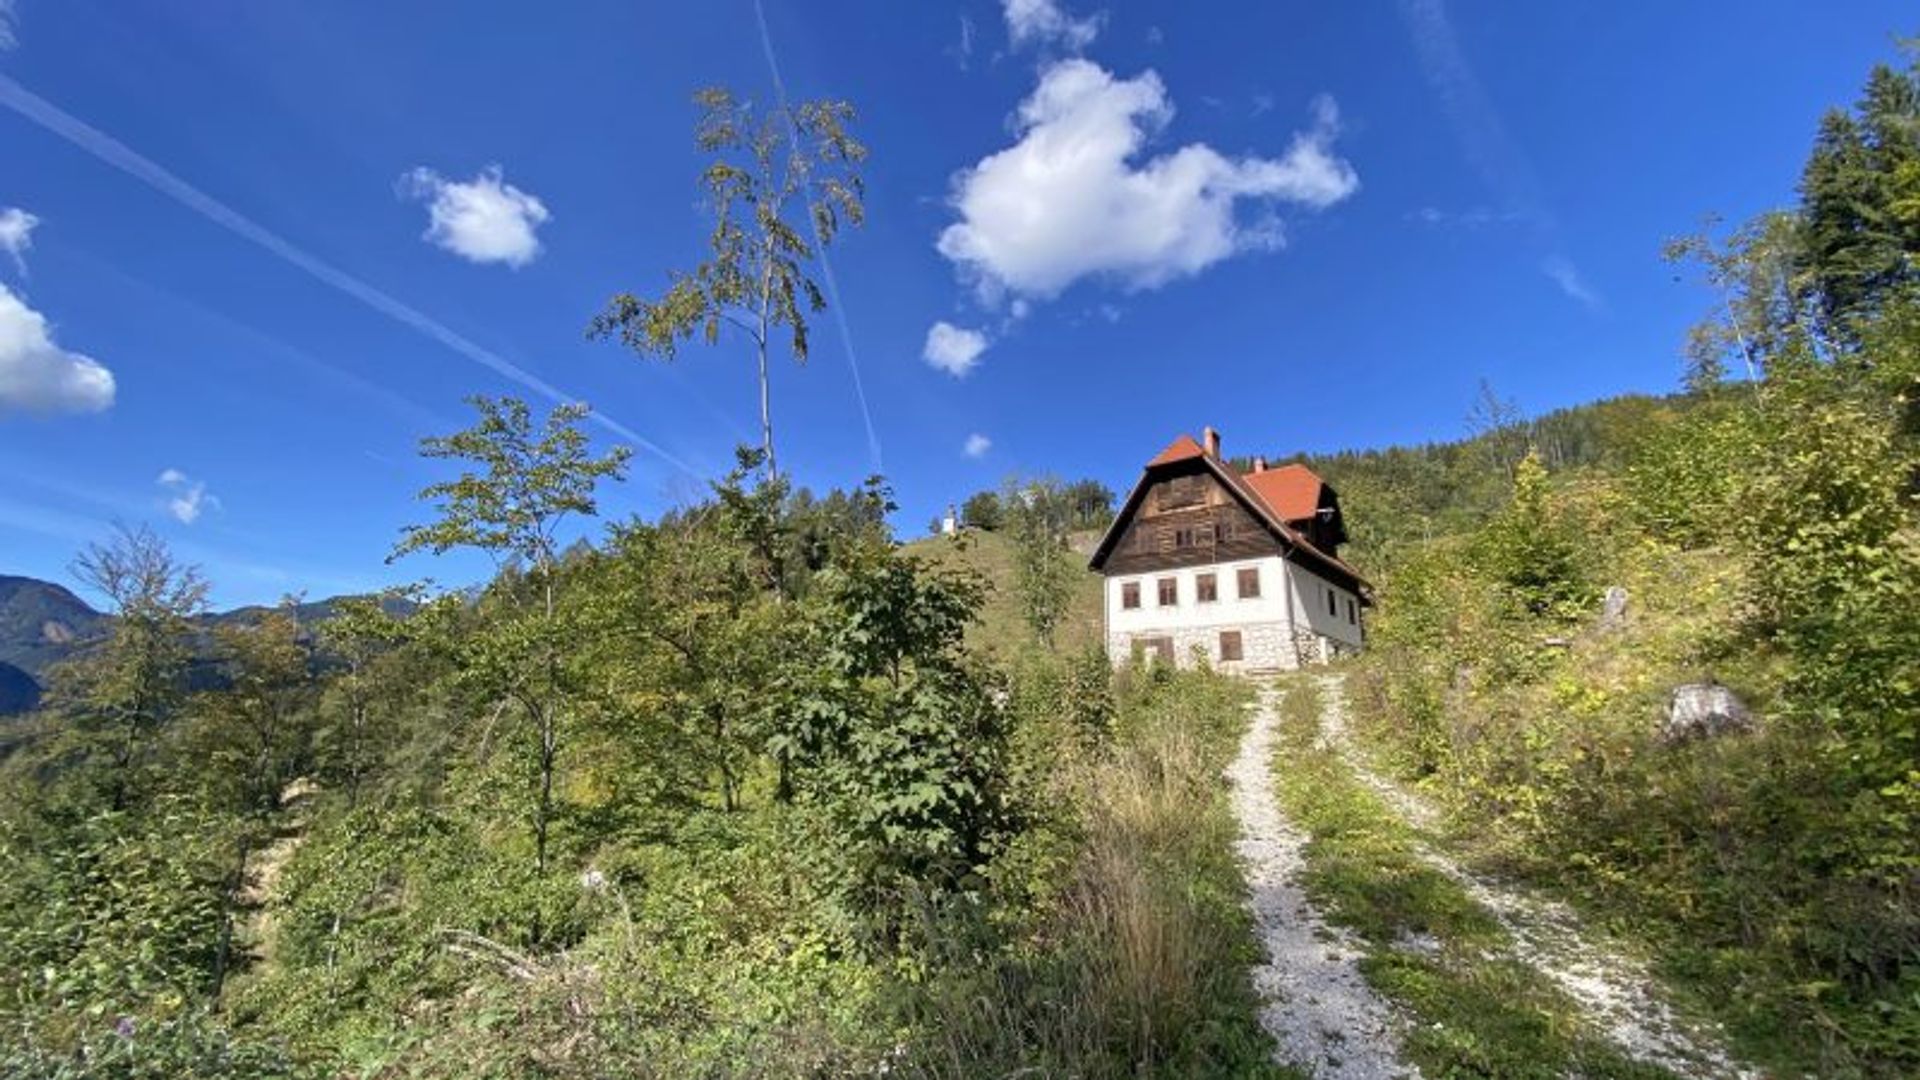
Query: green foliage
x=982 y=510
x=1067 y=507
x=1397 y=498
x=767 y=167
x=892 y=727
x=1858 y=244
x=1531 y=552
x=117 y=698
x=525 y=485
x=1039 y=514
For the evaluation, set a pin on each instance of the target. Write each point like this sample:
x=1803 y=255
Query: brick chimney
x=1212 y=440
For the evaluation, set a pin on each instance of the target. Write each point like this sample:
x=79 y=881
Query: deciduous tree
x=780 y=182
x=122 y=694
x=523 y=483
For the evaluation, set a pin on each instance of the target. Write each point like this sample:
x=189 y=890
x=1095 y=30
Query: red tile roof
x=1283 y=495
x=1293 y=491
x=1180 y=449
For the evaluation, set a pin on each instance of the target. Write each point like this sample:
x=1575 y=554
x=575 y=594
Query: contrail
x=1483 y=137
x=826 y=263
x=117 y=154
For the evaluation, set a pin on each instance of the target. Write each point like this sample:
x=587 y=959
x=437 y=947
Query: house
x=1242 y=568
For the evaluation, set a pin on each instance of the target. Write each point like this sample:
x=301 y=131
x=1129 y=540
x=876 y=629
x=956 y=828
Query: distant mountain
x=18 y=690
x=42 y=623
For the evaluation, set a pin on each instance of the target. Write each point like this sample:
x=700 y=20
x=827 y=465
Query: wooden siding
x=1188 y=519
x=1325 y=531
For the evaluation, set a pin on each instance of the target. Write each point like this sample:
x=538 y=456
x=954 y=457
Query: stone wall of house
x=1269 y=646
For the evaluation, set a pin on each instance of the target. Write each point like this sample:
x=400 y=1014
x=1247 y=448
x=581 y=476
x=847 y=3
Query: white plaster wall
x=1310 y=607
x=1264 y=623
x=1291 y=597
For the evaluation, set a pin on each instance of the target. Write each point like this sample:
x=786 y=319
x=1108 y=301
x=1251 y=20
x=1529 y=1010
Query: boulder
x=1613 y=609
x=1704 y=711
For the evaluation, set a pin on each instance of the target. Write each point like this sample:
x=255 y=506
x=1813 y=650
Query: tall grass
x=1139 y=966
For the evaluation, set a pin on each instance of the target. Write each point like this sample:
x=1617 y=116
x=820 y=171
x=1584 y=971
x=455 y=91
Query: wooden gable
x=1187 y=517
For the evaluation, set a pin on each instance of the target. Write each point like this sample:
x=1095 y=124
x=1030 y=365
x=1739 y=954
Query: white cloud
x=16 y=227
x=1042 y=21
x=1567 y=276
x=977 y=445
x=484 y=220
x=7 y=38
x=953 y=349
x=1069 y=200
x=186 y=497
x=37 y=375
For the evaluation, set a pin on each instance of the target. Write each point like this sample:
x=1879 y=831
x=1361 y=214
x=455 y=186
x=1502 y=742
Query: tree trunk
x=766 y=390
x=728 y=800
x=548 y=746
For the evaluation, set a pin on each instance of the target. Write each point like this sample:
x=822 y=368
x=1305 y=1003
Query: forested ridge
x=751 y=789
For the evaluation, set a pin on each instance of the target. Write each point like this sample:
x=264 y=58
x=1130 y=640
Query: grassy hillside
x=1001 y=632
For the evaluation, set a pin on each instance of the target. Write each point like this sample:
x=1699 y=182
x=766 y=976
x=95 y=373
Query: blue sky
x=253 y=251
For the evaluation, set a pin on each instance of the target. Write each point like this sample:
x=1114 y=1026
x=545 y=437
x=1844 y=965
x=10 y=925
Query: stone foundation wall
x=1269 y=646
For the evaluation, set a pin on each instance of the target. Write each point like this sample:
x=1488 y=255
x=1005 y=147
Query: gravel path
x=1318 y=1008
x=1614 y=991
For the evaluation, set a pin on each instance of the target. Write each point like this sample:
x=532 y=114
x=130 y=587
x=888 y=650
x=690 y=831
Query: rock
x=1704 y=711
x=1613 y=609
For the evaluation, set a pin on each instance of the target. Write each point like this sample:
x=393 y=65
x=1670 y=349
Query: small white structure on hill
x=1241 y=568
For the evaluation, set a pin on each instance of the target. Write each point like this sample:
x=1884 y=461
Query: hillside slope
x=41 y=623
x=1001 y=631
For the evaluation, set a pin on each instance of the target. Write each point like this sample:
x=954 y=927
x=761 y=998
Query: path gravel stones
x=1317 y=1006
x=1614 y=990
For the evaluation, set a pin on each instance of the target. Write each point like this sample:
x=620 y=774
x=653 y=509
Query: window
x=1157 y=649
x=1181 y=491
x=1229 y=644
x=1333 y=602
x=1130 y=595
x=1222 y=531
x=1353 y=611
x=1206 y=588
x=1249 y=581
x=1183 y=536
x=1169 y=592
